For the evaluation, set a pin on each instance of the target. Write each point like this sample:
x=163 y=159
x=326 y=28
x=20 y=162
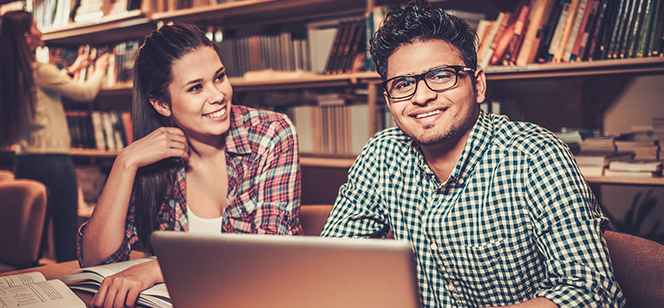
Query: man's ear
x=480 y=85
x=387 y=101
x=161 y=106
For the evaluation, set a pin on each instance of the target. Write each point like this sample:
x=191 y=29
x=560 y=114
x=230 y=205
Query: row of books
x=283 y=52
x=121 y=61
x=349 y=45
x=558 y=31
x=101 y=130
x=56 y=14
x=331 y=129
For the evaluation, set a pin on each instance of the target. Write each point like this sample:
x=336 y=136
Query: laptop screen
x=243 y=270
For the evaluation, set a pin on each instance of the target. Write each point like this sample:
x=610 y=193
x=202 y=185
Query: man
x=497 y=211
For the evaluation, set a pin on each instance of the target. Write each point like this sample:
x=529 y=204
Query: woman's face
x=34 y=37
x=201 y=95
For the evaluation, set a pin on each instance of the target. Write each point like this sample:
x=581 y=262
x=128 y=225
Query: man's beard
x=438 y=140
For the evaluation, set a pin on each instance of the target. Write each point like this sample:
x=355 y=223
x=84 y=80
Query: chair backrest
x=638 y=265
x=6 y=175
x=313 y=218
x=22 y=218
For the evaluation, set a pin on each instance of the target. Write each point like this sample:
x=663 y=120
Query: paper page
x=104 y=270
x=15 y=280
x=45 y=294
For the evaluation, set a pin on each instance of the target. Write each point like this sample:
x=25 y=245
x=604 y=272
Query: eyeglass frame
x=418 y=77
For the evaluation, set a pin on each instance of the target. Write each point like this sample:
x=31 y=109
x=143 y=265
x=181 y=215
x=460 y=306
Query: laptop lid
x=243 y=270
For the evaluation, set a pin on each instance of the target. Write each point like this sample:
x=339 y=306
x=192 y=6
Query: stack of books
x=594 y=163
x=645 y=144
x=634 y=168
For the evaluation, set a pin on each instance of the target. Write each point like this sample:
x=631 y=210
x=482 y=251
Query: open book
x=32 y=290
x=90 y=278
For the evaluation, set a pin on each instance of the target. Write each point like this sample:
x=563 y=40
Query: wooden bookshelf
x=247 y=13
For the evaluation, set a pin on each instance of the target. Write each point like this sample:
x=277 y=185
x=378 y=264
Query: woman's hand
x=162 y=143
x=82 y=60
x=123 y=288
x=102 y=62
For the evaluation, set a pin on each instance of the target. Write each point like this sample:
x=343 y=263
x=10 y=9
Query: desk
x=56 y=271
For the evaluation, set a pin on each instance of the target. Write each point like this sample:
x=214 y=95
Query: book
x=621 y=17
x=601 y=158
x=89 y=279
x=548 y=30
x=486 y=48
x=598 y=41
x=646 y=26
x=520 y=28
x=635 y=29
x=32 y=290
x=591 y=170
x=578 y=28
x=655 y=39
x=558 y=31
x=579 y=52
x=636 y=166
x=513 y=28
x=536 y=25
x=608 y=172
x=566 y=31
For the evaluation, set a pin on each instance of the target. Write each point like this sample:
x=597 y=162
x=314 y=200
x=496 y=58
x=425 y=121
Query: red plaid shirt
x=263 y=182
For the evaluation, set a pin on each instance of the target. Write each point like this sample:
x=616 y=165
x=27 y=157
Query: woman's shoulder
x=253 y=117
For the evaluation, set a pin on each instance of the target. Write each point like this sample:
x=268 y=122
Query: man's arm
x=357 y=211
x=568 y=223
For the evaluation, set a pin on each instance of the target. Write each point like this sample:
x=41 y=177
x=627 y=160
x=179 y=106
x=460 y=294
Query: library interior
x=590 y=71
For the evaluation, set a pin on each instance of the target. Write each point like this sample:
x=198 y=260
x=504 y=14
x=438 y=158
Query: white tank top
x=203 y=225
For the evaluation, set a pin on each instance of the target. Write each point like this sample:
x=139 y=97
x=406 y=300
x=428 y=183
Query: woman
x=198 y=164
x=34 y=120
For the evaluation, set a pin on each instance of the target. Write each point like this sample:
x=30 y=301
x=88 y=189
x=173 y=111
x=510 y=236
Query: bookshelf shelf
x=636 y=181
x=652 y=65
x=251 y=12
x=132 y=25
x=317 y=81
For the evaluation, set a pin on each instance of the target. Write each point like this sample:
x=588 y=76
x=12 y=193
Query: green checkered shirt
x=515 y=220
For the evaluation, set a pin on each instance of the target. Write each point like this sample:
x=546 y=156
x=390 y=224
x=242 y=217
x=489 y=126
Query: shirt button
x=451 y=288
x=461 y=181
x=433 y=246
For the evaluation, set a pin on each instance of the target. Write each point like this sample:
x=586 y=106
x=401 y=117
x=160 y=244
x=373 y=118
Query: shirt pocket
x=500 y=272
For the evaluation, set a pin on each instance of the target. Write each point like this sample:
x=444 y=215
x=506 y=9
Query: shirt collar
x=237 y=140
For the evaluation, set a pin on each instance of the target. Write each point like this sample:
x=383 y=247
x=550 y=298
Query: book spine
x=549 y=29
x=485 y=54
x=618 y=30
x=585 y=39
x=566 y=32
x=635 y=30
x=575 y=33
x=528 y=51
x=656 y=36
x=646 y=26
x=558 y=33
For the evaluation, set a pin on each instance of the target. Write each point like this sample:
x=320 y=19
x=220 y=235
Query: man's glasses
x=437 y=79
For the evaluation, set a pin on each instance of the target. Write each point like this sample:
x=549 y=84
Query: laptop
x=245 y=270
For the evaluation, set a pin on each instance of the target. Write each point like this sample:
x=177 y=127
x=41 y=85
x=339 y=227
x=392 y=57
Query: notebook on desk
x=240 y=270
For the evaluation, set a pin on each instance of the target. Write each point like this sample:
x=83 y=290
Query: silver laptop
x=241 y=270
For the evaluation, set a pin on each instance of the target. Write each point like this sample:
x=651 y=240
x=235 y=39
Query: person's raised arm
x=105 y=232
